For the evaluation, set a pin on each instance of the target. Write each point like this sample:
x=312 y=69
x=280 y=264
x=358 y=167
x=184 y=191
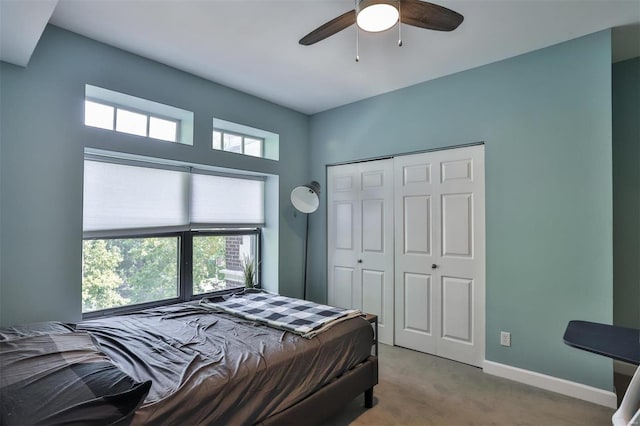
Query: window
x=109 y=110
x=155 y=234
x=218 y=260
x=149 y=270
x=233 y=137
x=101 y=115
x=98 y=115
x=124 y=271
x=241 y=144
x=166 y=130
x=253 y=147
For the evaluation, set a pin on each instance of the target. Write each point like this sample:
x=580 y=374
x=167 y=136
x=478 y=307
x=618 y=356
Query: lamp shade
x=377 y=15
x=305 y=197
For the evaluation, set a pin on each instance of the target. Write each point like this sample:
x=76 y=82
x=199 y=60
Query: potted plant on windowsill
x=249 y=271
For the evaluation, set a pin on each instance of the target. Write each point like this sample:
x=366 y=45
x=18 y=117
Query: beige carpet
x=419 y=389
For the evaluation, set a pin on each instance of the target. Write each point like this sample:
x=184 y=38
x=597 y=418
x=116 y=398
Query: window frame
x=242 y=136
x=116 y=106
x=185 y=267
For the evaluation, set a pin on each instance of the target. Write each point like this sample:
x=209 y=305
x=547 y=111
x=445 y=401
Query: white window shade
x=134 y=197
x=224 y=201
x=126 y=197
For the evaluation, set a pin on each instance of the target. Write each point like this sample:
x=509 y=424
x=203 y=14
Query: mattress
x=214 y=368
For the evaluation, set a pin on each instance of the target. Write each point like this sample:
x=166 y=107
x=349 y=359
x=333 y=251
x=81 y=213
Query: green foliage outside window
x=208 y=260
x=120 y=272
x=100 y=281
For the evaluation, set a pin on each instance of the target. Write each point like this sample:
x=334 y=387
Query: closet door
x=360 y=240
x=439 y=255
x=344 y=233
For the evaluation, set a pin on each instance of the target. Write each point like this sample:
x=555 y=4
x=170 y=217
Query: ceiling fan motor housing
x=363 y=4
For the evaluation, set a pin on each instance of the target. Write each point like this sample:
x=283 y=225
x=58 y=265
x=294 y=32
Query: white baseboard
x=624 y=368
x=554 y=384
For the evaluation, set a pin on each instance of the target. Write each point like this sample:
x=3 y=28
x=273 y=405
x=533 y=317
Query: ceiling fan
x=380 y=15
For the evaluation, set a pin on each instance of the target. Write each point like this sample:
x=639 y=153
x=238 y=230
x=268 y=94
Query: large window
x=156 y=234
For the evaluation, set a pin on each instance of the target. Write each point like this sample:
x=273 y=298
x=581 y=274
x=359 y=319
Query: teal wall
x=626 y=193
x=42 y=139
x=545 y=118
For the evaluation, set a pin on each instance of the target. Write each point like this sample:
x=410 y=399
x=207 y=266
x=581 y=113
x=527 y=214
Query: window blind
x=121 y=199
x=221 y=200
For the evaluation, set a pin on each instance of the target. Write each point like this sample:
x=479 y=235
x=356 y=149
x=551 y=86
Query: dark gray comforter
x=212 y=368
x=50 y=376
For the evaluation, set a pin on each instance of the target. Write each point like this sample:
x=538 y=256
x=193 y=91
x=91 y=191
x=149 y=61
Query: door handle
x=359 y=260
x=434 y=266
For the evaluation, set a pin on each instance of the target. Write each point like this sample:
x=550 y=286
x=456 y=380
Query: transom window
x=238 y=143
x=119 y=112
x=121 y=119
x=156 y=234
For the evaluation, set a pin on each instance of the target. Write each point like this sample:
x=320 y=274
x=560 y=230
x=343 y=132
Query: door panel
x=417 y=173
x=442 y=238
x=457 y=309
x=373 y=223
x=344 y=225
x=344 y=287
x=417 y=295
x=376 y=248
x=461 y=265
x=416 y=232
x=373 y=179
x=342 y=183
x=373 y=293
x=416 y=311
x=456 y=170
x=360 y=237
x=457 y=225
x=416 y=317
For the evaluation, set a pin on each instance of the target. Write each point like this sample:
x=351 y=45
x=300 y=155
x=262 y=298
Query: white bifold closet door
x=439 y=253
x=360 y=240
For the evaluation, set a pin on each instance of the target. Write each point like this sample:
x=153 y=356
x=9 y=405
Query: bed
x=188 y=364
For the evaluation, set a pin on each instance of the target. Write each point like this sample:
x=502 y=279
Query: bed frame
x=329 y=399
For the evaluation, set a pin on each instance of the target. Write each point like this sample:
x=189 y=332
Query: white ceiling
x=253 y=45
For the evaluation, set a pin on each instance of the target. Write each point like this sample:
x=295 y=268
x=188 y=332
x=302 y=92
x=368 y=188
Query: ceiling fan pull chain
x=357 y=34
x=399 y=23
x=357 y=44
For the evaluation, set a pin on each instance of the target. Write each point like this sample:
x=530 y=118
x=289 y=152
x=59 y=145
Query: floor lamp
x=305 y=198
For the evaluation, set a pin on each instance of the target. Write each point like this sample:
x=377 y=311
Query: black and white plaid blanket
x=285 y=313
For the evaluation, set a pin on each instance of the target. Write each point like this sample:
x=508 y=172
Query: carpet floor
x=420 y=389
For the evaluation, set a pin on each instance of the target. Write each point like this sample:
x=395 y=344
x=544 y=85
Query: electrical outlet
x=505 y=338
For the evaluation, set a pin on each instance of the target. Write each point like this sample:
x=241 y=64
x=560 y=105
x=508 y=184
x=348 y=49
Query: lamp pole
x=305 y=199
x=306 y=250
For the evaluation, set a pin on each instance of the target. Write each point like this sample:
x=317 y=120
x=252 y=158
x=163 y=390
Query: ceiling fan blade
x=428 y=15
x=330 y=28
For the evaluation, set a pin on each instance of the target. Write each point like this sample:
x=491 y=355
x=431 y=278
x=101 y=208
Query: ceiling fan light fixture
x=377 y=15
